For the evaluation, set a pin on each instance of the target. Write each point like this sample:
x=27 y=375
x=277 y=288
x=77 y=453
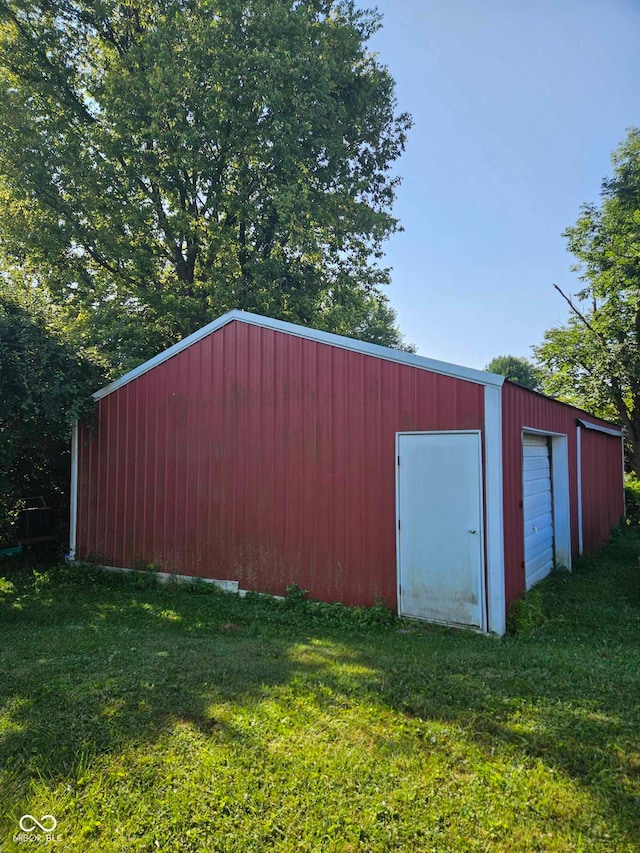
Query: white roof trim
x=616 y=432
x=480 y=377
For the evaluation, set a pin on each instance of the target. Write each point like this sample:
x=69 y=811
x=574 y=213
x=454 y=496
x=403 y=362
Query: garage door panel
x=539 y=527
x=537 y=572
x=537 y=487
x=536 y=462
x=539 y=548
x=537 y=508
x=534 y=475
x=537 y=449
x=536 y=452
x=536 y=504
x=540 y=524
x=539 y=552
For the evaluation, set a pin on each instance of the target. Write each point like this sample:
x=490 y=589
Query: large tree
x=164 y=161
x=594 y=360
x=517 y=369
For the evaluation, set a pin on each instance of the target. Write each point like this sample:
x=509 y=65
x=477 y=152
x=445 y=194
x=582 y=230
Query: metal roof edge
x=470 y=374
x=567 y=405
x=617 y=433
x=166 y=354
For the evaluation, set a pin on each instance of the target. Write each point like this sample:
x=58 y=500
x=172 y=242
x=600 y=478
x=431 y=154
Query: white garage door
x=538 y=508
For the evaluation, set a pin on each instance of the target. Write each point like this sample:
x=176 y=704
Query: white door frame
x=559 y=493
x=483 y=584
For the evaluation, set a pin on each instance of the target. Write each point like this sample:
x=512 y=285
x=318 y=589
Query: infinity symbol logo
x=47 y=823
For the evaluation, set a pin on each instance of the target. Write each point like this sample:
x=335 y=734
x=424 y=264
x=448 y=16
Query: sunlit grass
x=149 y=718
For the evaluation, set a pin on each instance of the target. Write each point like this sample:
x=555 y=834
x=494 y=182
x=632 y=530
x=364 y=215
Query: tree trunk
x=634 y=438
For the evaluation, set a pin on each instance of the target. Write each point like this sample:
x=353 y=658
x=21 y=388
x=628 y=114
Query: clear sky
x=517 y=106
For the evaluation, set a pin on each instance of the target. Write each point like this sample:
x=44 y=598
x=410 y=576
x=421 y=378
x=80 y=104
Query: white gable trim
x=480 y=377
x=587 y=425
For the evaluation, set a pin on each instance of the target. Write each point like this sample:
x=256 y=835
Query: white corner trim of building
x=73 y=498
x=579 y=485
x=496 y=596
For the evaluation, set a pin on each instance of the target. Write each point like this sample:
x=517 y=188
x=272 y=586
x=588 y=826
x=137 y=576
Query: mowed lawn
x=150 y=718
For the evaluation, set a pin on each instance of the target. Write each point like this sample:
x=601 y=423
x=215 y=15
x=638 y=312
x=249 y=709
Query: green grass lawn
x=148 y=718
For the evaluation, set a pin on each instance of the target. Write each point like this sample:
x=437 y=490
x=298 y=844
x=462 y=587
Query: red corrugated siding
x=601 y=456
x=261 y=457
x=522 y=408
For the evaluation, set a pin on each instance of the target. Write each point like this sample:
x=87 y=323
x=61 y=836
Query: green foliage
x=526 y=614
x=337 y=613
x=45 y=383
x=517 y=369
x=632 y=497
x=296 y=596
x=163 y=162
x=594 y=361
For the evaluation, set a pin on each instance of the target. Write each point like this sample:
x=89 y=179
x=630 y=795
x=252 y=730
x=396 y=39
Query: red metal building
x=266 y=454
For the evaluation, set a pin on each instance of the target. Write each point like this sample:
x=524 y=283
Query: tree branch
x=616 y=390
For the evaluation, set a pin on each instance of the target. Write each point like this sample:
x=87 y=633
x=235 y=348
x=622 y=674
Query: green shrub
x=632 y=497
x=296 y=597
x=526 y=614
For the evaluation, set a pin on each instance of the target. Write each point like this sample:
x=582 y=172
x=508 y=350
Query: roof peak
x=480 y=377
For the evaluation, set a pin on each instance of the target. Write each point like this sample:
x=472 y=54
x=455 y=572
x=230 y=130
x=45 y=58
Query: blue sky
x=517 y=106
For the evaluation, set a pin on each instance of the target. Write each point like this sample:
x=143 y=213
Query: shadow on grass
x=93 y=664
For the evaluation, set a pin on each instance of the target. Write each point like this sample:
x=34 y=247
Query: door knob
x=471 y=530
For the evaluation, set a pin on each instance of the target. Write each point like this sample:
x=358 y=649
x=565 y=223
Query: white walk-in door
x=440 y=542
x=537 y=502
